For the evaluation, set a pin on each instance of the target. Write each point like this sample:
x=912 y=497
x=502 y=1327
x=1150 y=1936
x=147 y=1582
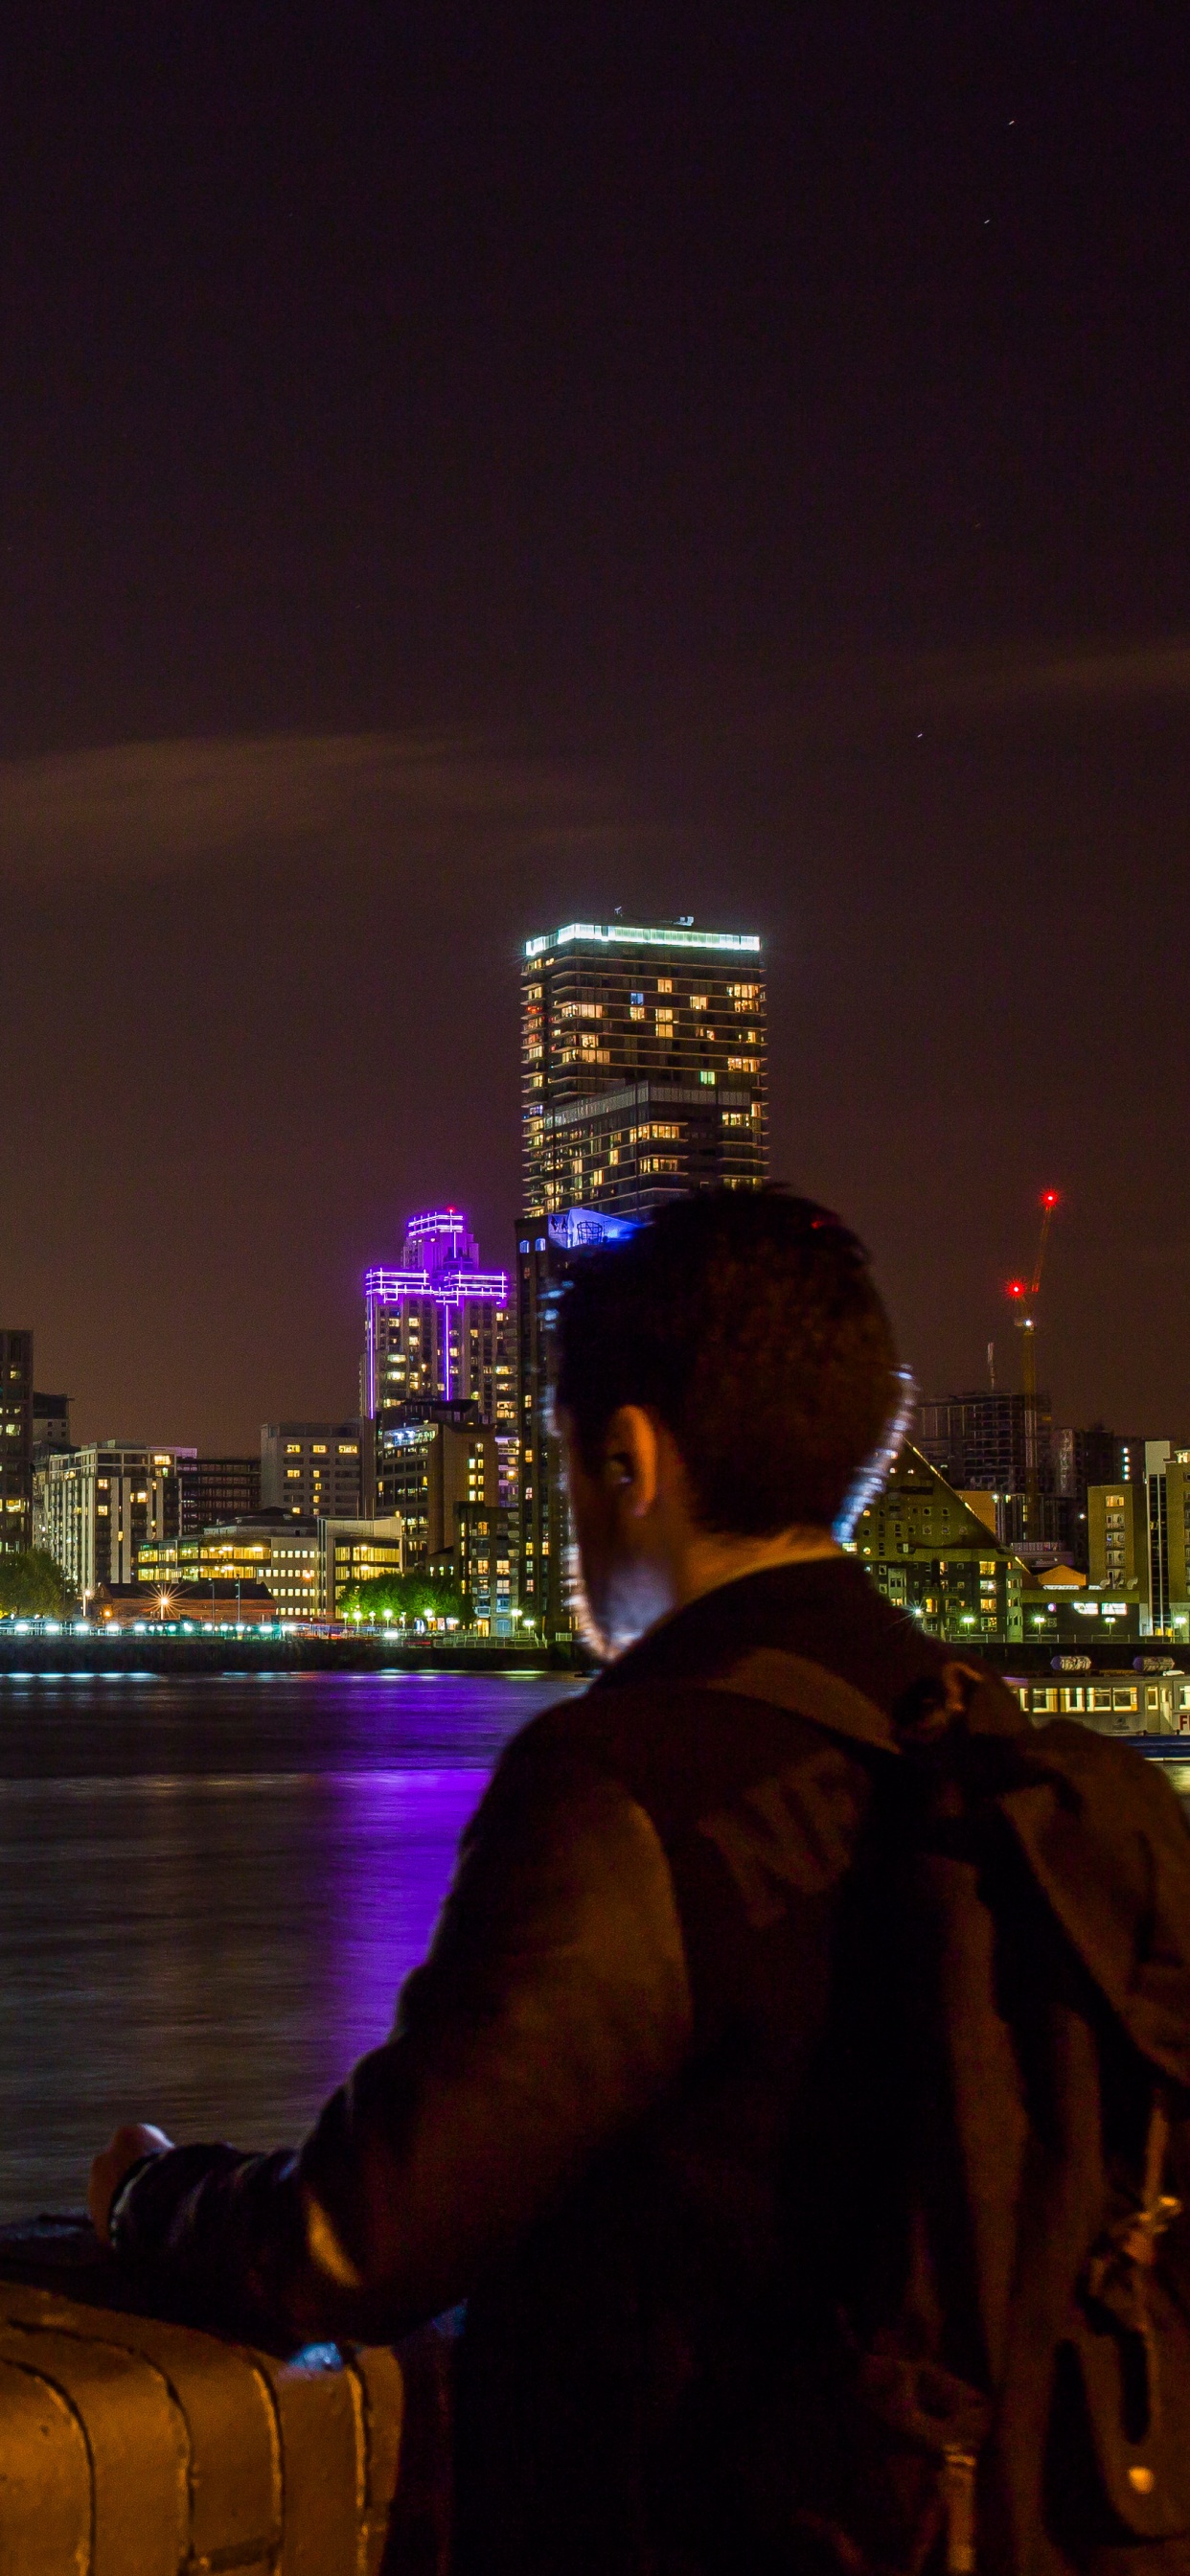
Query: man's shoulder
x=680 y=1745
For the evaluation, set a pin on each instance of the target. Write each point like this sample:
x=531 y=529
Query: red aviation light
x=1050 y=1199
x=1015 y=1288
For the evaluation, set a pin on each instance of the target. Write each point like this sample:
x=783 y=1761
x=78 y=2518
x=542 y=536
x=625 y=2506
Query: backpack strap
x=809 y=1690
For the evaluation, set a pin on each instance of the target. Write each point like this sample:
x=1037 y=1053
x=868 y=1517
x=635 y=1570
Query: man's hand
x=108 y=2171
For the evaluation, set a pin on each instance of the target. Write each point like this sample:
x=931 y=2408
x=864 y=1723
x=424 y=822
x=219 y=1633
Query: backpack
x=987 y=2366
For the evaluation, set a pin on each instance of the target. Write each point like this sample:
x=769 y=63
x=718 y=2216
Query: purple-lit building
x=440 y=1326
x=439 y=1332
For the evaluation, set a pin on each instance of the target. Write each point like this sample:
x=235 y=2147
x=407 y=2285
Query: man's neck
x=713 y=1557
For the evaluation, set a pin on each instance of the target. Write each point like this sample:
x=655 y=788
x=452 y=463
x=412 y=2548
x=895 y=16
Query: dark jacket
x=590 y=2120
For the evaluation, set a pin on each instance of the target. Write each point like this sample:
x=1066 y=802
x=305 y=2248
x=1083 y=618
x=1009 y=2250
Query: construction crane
x=1024 y=1294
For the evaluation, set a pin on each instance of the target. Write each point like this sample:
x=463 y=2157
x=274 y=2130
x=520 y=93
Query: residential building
x=51 y=1427
x=1093 y=1457
x=95 y=1507
x=644 y=1075
x=432 y=1459
x=1139 y=1538
x=1118 y=1538
x=16 y=1439
x=644 y=1066
x=222 y=1489
x=485 y=1567
x=1177 y=1542
x=935 y=1558
x=312 y=1470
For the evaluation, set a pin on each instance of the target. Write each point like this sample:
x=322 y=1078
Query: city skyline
x=96 y=1418
x=633 y=1035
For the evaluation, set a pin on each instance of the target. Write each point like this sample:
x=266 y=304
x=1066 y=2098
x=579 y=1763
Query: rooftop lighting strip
x=446 y=1287
x=739 y=943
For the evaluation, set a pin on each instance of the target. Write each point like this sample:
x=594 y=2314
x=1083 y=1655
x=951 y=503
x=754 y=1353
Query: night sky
x=463 y=468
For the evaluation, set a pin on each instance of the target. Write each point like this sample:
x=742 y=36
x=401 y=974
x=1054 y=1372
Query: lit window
x=665 y=983
x=742 y=1064
x=698 y=1001
x=637 y=1011
x=318 y=1448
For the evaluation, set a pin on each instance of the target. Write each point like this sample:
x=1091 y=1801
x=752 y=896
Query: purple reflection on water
x=395 y=1834
x=211 y=1890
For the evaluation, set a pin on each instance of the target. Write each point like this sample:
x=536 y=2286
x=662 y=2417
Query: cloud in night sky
x=1092 y=676
x=144 y=808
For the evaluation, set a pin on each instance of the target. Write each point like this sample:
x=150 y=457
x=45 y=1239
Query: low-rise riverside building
x=306 y=1565
x=239 y=1552
x=224 y=1602
x=358 y=1551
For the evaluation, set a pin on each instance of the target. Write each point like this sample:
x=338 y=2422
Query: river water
x=210 y=1891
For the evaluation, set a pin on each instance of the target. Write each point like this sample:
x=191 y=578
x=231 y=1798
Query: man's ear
x=631 y=1459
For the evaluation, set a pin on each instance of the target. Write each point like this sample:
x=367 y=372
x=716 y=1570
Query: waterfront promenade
x=26 y=1648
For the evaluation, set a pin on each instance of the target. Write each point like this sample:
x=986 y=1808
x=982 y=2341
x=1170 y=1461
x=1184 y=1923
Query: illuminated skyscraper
x=643 y=1076
x=643 y=1065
